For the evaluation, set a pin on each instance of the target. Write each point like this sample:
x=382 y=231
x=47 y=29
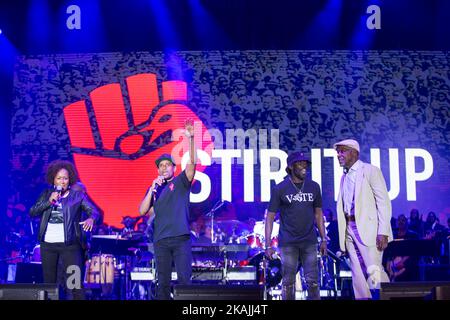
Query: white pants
x=366 y=264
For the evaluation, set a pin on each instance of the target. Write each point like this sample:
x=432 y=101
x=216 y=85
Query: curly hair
x=55 y=166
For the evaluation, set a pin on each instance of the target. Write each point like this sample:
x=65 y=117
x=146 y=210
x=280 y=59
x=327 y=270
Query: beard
x=299 y=174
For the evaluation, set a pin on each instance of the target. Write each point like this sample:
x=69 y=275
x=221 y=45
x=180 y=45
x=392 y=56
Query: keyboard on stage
x=219 y=252
x=220 y=248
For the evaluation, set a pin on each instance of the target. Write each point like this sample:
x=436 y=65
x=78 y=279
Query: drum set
x=268 y=271
x=124 y=268
x=234 y=232
x=121 y=264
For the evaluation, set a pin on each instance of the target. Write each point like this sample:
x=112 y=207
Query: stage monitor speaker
x=29 y=273
x=218 y=292
x=410 y=290
x=441 y=293
x=21 y=291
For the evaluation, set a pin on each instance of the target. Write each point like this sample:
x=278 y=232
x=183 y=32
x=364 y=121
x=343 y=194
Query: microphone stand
x=211 y=214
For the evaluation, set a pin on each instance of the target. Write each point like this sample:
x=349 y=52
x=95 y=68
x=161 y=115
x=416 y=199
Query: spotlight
x=1 y=31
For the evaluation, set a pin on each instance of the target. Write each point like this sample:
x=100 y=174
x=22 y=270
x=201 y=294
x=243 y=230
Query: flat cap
x=348 y=143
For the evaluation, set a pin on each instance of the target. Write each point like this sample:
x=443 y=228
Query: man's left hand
x=382 y=242
x=323 y=248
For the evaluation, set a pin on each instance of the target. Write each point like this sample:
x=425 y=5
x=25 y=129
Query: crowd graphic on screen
x=397 y=99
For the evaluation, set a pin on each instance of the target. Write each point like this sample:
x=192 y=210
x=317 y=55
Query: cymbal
x=130 y=219
x=230 y=225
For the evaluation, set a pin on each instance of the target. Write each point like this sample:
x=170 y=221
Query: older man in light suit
x=364 y=214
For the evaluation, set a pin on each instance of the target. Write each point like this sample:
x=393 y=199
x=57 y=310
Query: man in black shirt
x=299 y=202
x=167 y=200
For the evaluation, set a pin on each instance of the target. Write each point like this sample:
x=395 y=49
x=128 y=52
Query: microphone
x=59 y=190
x=157 y=186
x=156 y=190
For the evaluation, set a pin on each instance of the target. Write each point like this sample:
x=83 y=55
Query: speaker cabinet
x=412 y=290
x=22 y=291
x=28 y=273
x=218 y=292
x=441 y=293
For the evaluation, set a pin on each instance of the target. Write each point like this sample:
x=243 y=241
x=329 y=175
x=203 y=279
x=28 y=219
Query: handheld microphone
x=158 y=186
x=59 y=190
x=156 y=191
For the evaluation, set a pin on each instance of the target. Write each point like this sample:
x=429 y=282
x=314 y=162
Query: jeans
x=71 y=256
x=289 y=266
x=168 y=250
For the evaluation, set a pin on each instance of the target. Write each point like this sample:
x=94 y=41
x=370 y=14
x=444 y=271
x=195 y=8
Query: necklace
x=295 y=186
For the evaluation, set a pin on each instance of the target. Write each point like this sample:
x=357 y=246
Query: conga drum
x=100 y=269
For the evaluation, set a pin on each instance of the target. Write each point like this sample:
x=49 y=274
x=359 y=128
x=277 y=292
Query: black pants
x=71 y=256
x=168 y=250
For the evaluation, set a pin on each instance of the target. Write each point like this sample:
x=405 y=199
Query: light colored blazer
x=373 y=210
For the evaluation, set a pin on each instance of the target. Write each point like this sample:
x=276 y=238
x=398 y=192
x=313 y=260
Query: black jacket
x=73 y=206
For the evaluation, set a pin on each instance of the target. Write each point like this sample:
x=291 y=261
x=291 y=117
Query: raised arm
x=189 y=132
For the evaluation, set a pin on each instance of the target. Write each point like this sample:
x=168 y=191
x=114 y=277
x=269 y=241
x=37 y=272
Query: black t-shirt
x=172 y=209
x=57 y=214
x=296 y=206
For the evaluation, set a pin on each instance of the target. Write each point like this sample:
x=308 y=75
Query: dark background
x=38 y=27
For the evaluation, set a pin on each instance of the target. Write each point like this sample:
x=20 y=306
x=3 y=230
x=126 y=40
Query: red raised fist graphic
x=115 y=139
